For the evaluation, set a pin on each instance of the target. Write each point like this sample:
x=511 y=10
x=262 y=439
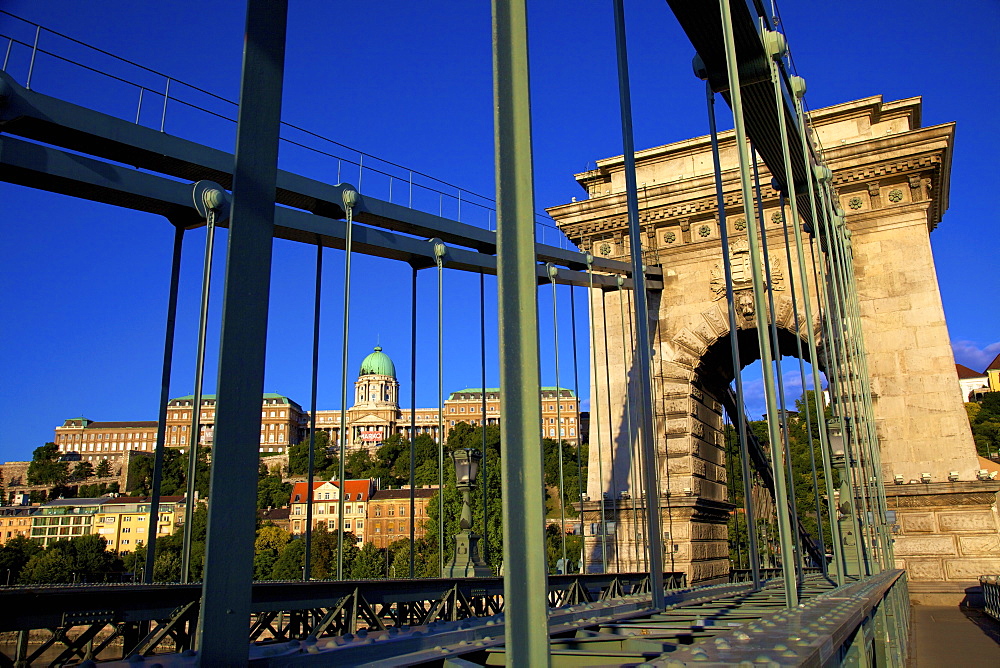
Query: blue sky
x=85 y=284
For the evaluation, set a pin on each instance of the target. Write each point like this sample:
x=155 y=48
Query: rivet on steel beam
x=822 y=173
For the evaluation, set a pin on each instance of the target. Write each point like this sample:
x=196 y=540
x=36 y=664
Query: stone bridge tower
x=892 y=177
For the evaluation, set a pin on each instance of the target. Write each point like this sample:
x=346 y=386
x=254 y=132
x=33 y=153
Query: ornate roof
x=377 y=364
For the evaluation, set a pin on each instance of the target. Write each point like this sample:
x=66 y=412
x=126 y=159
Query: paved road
x=952 y=637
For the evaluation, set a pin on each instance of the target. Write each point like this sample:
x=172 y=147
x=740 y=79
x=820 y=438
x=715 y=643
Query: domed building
x=375 y=412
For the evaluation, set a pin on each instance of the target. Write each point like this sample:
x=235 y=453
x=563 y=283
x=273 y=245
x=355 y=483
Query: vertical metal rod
x=410 y=203
x=138 y=108
x=199 y=379
x=824 y=444
x=413 y=416
x=317 y=302
x=225 y=607
x=644 y=374
x=6 y=57
x=633 y=463
x=779 y=379
x=439 y=251
x=639 y=459
x=361 y=170
x=760 y=308
x=485 y=461
x=161 y=426
x=734 y=346
x=595 y=404
x=348 y=241
x=525 y=602
x=553 y=272
x=792 y=281
x=834 y=323
x=614 y=492
x=163 y=116
x=579 y=434
x=34 y=51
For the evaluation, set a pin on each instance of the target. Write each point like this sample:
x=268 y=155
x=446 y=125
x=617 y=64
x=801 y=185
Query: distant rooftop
x=496 y=390
x=966 y=372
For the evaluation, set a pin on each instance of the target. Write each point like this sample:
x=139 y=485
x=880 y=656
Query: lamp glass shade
x=466 y=465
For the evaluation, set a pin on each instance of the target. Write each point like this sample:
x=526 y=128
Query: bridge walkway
x=952 y=636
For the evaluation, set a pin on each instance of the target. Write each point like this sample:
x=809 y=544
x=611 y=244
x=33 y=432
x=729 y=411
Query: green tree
x=82 y=471
x=45 y=467
x=984 y=418
x=48 y=567
x=289 y=564
x=271 y=491
x=369 y=564
x=14 y=555
x=104 y=469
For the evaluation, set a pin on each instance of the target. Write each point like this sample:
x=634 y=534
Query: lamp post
x=467 y=561
x=849 y=529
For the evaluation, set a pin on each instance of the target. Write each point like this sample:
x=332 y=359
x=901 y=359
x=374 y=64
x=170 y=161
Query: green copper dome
x=378 y=363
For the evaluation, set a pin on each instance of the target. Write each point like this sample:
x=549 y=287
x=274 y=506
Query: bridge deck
x=953 y=636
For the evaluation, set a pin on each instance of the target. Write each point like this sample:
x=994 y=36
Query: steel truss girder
x=307 y=211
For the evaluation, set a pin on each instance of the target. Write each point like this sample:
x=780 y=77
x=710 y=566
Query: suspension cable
x=350 y=200
x=627 y=415
x=199 y=378
x=784 y=525
x=484 y=462
x=413 y=418
x=161 y=428
x=802 y=377
x=307 y=571
x=776 y=370
x=611 y=436
x=734 y=346
x=798 y=86
x=579 y=432
x=595 y=423
x=439 y=252
x=553 y=272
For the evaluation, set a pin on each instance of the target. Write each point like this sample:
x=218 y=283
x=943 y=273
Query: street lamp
x=836 y=435
x=467 y=561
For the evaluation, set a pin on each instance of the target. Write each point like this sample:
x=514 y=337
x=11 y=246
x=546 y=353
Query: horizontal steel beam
x=54 y=170
x=52 y=121
x=38 y=607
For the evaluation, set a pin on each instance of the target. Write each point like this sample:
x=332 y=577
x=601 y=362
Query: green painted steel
x=734 y=346
x=824 y=441
x=225 y=604
x=644 y=405
x=760 y=312
x=161 y=428
x=524 y=554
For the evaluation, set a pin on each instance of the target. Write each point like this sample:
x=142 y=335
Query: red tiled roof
x=966 y=372
x=995 y=364
x=384 y=494
x=359 y=490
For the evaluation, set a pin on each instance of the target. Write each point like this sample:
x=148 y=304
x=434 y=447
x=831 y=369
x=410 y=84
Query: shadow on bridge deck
x=953 y=636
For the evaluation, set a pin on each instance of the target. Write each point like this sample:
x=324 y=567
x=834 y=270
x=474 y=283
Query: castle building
x=374 y=417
